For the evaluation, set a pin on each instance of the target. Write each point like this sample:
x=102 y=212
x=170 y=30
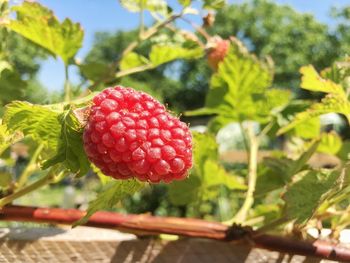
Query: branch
x=187 y=227
x=50 y=177
x=30 y=168
x=146 y=35
x=133 y=70
x=252 y=176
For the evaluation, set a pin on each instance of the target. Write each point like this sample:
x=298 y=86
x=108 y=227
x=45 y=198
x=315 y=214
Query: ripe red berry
x=130 y=134
x=217 y=52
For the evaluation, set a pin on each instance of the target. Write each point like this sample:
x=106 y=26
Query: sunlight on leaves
x=36 y=121
x=306 y=192
x=311 y=80
x=70 y=149
x=38 y=24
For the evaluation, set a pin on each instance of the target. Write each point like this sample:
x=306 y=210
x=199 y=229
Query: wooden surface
x=86 y=244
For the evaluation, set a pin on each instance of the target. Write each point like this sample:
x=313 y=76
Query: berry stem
x=111 y=76
x=30 y=168
x=199 y=29
x=67 y=88
x=133 y=70
x=252 y=175
x=48 y=178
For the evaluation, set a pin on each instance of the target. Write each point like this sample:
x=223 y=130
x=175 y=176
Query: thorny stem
x=133 y=70
x=30 y=168
x=252 y=175
x=188 y=227
x=199 y=29
x=245 y=140
x=48 y=178
x=146 y=35
x=67 y=88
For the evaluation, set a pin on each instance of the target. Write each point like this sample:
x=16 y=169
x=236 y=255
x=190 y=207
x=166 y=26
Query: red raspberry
x=130 y=134
x=218 y=51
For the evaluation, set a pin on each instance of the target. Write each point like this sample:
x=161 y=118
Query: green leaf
x=4 y=65
x=311 y=80
x=215 y=175
x=161 y=54
x=214 y=4
x=133 y=60
x=104 y=179
x=239 y=89
x=94 y=70
x=7 y=138
x=331 y=103
x=306 y=192
x=205 y=149
x=206 y=176
x=331 y=143
x=186 y=191
x=159 y=6
x=300 y=163
x=38 y=24
x=308 y=129
x=274 y=173
x=344 y=151
x=185 y=2
x=110 y=196
x=36 y=121
x=339 y=73
x=12 y=86
x=70 y=150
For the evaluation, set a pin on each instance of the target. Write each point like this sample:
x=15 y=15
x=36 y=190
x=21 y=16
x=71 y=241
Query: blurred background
x=292 y=32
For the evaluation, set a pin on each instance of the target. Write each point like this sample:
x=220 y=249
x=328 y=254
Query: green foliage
x=23 y=54
x=93 y=70
x=112 y=193
x=7 y=138
x=239 y=90
x=12 y=86
x=330 y=143
x=291 y=38
x=311 y=80
x=214 y=4
x=108 y=48
x=159 y=54
x=331 y=103
x=277 y=172
x=335 y=100
x=70 y=149
x=185 y=2
x=39 y=25
x=206 y=176
x=39 y=122
x=344 y=151
x=133 y=60
x=300 y=202
x=166 y=61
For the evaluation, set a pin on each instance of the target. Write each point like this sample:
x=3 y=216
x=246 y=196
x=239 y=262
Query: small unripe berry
x=217 y=52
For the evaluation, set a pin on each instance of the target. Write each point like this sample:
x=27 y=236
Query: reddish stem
x=146 y=224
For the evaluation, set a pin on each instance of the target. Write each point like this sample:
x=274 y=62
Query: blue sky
x=108 y=15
